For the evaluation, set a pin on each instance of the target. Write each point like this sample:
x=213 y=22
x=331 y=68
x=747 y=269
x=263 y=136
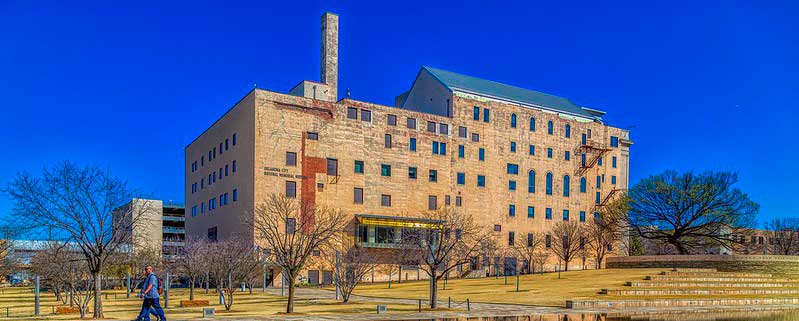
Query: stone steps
x=716 y=279
x=717 y=274
x=665 y=303
x=692 y=284
x=678 y=292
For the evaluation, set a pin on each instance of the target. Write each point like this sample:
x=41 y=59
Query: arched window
x=549 y=184
x=582 y=185
x=568 y=131
x=566 y=185
x=532 y=124
x=550 y=127
x=531 y=181
x=513 y=120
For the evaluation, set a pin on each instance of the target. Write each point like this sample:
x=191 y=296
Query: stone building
x=515 y=159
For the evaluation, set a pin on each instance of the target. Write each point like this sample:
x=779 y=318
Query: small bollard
x=468 y=305
x=420 y=305
x=208 y=313
x=449 y=302
x=381 y=309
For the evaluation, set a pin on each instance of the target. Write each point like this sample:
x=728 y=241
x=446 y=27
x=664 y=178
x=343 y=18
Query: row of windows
x=222 y=172
x=223 y=200
x=547 y=240
x=223 y=147
x=391 y=120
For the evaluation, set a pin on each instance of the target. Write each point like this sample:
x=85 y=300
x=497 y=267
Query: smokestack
x=330 y=53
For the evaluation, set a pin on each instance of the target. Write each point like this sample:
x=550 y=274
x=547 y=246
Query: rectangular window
x=432 y=202
x=412 y=172
x=202 y=161
x=512 y=185
x=202 y=208
x=435 y=148
x=313 y=136
x=352 y=113
x=461 y=178
x=366 y=115
x=193 y=211
x=291 y=189
x=476 y=137
x=433 y=177
x=443 y=149
x=391 y=120
x=531 y=212
x=234 y=139
x=458 y=201
x=462 y=132
x=235 y=194
x=614 y=141
x=481 y=181
x=358 y=167
x=385 y=200
x=431 y=127
x=567 y=155
x=476 y=115
x=532 y=150
x=412 y=144
x=530 y=240
x=511 y=236
x=599 y=161
x=481 y=154
x=598 y=197
x=548 y=241
x=443 y=129
x=549 y=152
x=582 y=216
x=220 y=149
x=613 y=162
x=548 y=213
x=511 y=210
x=411 y=123
x=234 y=166
x=486 y=115
x=291 y=159
x=565 y=215
x=332 y=167
x=512 y=147
x=357 y=195
x=226 y=169
x=461 y=151
x=446 y=200
x=385 y=170
x=513 y=169
x=387 y=141
x=613 y=179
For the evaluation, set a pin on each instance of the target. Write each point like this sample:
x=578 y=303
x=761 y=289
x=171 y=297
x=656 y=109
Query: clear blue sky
x=127 y=84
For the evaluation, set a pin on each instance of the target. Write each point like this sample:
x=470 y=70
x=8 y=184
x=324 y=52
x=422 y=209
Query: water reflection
x=673 y=316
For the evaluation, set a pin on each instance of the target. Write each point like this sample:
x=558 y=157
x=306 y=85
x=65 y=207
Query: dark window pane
x=411 y=123
x=332 y=167
x=291 y=189
x=291 y=159
x=391 y=120
x=366 y=115
x=352 y=113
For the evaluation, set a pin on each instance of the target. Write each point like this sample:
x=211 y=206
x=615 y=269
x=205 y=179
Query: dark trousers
x=146 y=305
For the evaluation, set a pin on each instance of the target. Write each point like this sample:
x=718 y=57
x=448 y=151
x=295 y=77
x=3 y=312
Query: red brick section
x=310 y=167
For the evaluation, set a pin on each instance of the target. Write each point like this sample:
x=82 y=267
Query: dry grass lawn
x=19 y=302
x=539 y=289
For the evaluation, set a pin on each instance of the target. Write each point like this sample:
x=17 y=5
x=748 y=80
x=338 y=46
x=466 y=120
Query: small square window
x=475 y=137
x=443 y=129
x=412 y=172
x=458 y=201
x=391 y=120
x=411 y=123
x=462 y=132
x=291 y=159
x=431 y=127
x=358 y=195
x=313 y=136
x=497 y=228
x=352 y=113
x=433 y=175
x=385 y=170
x=366 y=115
x=358 y=167
x=385 y=200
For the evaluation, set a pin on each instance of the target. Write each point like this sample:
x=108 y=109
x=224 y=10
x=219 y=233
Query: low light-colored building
x=516 y=160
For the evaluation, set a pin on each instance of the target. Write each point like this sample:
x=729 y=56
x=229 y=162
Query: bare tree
x=7 y=261
x=351 y=265
x=191 y=261
x=606 y=231
x=690 y=210
x=80 y=203
x=527 y=249
x=389 y=269
x=48 y=264
x=489 y=249
x=233 y=260
x=291 y=231
x=539 y=258
x=453 y=239
x=567 y=236
x=784 y=235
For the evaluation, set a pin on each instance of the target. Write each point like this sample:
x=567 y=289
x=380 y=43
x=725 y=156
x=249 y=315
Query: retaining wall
x=776 y=264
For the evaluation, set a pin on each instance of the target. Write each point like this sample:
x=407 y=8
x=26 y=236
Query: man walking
x=149 y=292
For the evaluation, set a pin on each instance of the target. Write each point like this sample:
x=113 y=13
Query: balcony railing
x=174 y=230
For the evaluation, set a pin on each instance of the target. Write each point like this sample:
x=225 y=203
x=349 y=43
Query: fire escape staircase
x=593 y=151
x=607 y=199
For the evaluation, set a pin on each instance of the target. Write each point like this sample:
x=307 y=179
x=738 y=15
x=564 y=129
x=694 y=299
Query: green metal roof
x=455 y=81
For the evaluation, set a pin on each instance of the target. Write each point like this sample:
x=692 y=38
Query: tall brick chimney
x=330 y=53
